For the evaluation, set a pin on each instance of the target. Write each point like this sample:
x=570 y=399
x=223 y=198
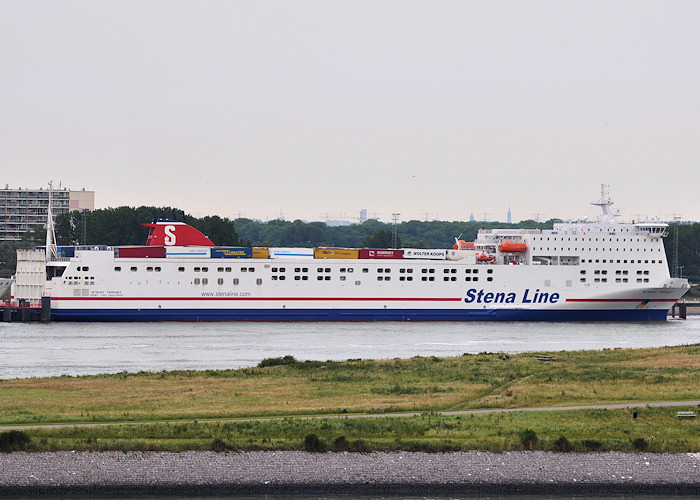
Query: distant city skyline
x=412 y=107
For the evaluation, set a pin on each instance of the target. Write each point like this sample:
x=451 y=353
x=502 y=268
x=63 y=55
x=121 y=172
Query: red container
x=140 y=252
x=374 y=253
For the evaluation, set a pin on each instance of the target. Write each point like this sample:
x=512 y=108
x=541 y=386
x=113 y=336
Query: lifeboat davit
x=463 y=245
x=482 y=257
x=512 y=247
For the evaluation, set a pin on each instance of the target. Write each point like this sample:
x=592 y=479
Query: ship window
x=220 y=281
x=196 y=281
x=380 y=270
x=219 y=269
x=328 y=269
x=342 y=270
x=236 y=281
x=304 y=278
x=133 y=269
x=476 y=278
x=342 y=278
x=85 y=268
x=297 y=278
x=446 y=271
x=205 y=269
x=283 y=277
x=205 y=281
x=453 y=278
x=490 y=271
x=490 y=278
x=181 y=269
x=583 y=271
x=467 y=271
x=357 y=282
x=283 y=269
x=468 y=278
x=327 y=278
x=431 y=270
x=258 y=281
x=319 y=278
x=365 y=270
x=446 y=278
x=149 y=269
x=476 y=271
x=431 y=278
x=157 y=269
x=380 y=278
x=117 y=268
x=274 y=278
x=424 y=278
x=297 y=269
x=197 y=269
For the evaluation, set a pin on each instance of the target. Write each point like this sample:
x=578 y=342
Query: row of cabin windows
x=302 y=270
x=590 y=249
x=236 y=281
x=541 y=238
x=617 y=271
x=618 y=261
x=617 y=280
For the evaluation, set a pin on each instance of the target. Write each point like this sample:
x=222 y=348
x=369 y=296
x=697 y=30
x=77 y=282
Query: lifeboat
x=463 y=245
x=512 y=247
x=482 y=257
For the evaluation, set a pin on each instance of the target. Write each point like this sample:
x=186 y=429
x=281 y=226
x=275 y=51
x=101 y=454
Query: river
x=52 y=349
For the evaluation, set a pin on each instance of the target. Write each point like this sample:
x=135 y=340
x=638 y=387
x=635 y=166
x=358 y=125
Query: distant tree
x=381 y=239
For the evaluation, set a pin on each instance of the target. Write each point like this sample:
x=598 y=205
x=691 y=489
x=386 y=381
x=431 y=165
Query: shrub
x=592 y=444
x=285 y=360
x=359 y=446
x=640 y=444
x=313 y=444
x=528 y=438
x=562 y=444
x=341 y=444
x=14 y=441
x=218 y=445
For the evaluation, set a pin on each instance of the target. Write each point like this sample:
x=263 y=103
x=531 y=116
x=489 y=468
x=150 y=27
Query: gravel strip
x=288 y=472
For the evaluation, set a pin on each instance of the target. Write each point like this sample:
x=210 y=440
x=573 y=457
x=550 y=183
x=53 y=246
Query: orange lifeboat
x=482 y=257
x=512 y=247
x=463 y=245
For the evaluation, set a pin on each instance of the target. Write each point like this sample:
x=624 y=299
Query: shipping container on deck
x=261 y=253
x=380 y=253
x=296 y=253
x=336 y=253
x=187 y=252
x=139 y=252
x=425 y=253
x=231 y=253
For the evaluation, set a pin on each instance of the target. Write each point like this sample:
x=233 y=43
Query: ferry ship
x=601 y=270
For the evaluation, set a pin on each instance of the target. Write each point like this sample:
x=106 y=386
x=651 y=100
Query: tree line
x=122 y=226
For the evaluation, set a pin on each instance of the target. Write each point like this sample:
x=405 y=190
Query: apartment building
x=22 y=210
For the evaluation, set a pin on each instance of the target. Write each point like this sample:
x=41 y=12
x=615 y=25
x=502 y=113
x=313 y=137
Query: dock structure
x=25 y=311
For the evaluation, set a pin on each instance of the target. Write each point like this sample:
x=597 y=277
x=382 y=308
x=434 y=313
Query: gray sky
x=308 y=107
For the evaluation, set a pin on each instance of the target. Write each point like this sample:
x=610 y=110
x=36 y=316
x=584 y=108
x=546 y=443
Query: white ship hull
x=347 y=290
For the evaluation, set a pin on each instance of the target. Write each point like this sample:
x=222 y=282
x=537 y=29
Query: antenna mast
x=51 y=252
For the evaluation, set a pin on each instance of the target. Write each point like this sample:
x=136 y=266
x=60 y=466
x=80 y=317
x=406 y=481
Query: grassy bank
x=363 y=386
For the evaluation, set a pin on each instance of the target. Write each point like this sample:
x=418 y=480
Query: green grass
x=420 y=384
x=656 y=430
